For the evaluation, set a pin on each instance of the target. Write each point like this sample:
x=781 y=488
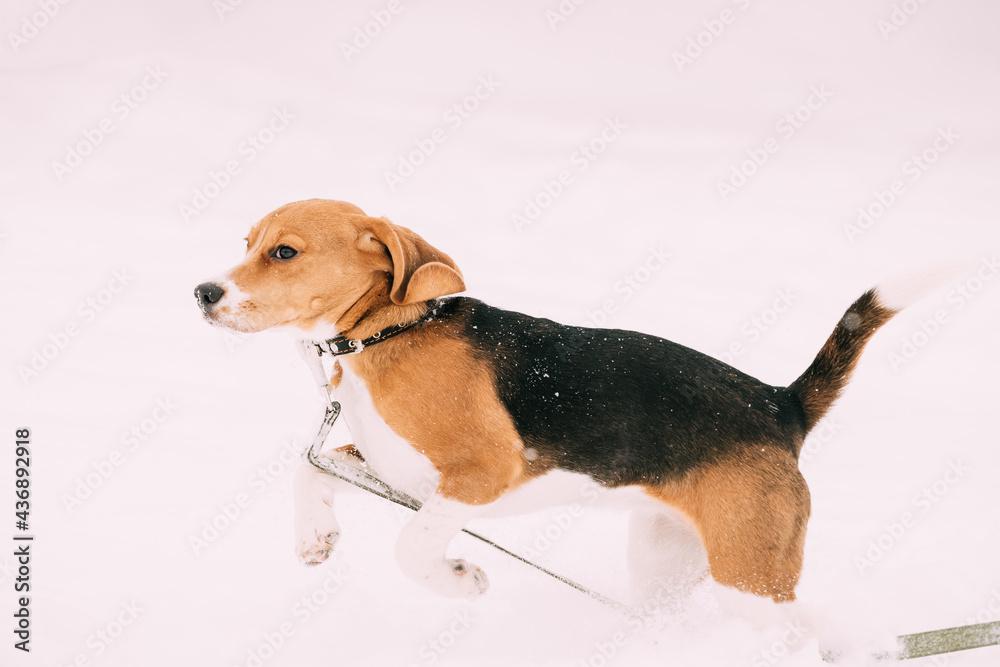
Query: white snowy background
x=148 y=425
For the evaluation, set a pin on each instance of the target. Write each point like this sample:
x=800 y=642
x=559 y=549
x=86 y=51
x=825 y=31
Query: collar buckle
x=340 y=346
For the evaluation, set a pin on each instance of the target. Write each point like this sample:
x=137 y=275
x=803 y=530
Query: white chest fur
x=402 y=466
x=391 y=458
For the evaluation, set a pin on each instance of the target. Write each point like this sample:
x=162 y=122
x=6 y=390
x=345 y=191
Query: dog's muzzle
x=208 y=294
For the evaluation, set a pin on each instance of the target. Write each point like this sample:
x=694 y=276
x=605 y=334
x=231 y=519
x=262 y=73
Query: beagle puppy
x=478 y=411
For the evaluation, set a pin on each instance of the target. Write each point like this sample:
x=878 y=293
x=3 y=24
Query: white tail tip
x=904 y=290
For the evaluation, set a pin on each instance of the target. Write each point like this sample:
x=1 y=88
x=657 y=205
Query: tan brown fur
x=350 y=450
x=336 y=374
x=343 y=255
x=825 y=379
x=452 y=415
x=362 y=275
x=751 y=513
x=359 y=275
x=375 y=311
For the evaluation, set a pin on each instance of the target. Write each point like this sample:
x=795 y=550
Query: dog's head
x=309 y=262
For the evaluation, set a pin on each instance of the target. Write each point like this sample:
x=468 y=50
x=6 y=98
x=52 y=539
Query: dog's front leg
x=420 y=549
x=316 y=527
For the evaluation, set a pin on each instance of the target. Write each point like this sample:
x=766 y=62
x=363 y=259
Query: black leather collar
x=341 y=345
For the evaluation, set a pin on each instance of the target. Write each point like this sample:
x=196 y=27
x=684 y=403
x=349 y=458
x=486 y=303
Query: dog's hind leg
x=751 y=513
x=665 y=557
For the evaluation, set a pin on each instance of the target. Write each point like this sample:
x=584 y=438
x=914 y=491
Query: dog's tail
x=823 y=382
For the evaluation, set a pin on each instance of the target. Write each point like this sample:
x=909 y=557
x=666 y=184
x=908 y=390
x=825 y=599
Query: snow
x=577 y=179
x=903 y=291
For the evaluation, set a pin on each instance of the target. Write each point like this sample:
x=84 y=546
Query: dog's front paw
x=469 y=580
x=317 y=549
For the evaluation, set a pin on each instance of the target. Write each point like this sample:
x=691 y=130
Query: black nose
x=208 y=294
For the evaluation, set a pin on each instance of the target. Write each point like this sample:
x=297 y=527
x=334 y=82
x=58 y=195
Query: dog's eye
x=284 y=252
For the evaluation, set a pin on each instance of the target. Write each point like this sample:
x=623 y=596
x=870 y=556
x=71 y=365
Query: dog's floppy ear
x=419 y=270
